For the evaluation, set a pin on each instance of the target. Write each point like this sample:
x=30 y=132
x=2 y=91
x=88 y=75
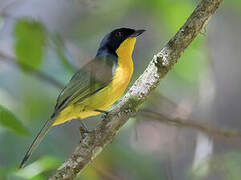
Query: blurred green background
x=56 y=37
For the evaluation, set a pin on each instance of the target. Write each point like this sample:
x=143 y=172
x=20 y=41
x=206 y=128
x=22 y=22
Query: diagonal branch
x=92 y=144
x=31 y=70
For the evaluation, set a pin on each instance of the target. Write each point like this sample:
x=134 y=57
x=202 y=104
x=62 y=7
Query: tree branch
x=207 y=129
x=31 y=70
x=92 y=144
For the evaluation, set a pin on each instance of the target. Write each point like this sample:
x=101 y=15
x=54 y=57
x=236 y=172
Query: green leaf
x=8 y=120
x=29 y=42
x=34 y=170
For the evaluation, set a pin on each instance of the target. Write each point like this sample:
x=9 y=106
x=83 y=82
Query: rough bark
x=93 y=143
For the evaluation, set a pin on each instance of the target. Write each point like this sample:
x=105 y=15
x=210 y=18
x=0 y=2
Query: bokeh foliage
x=30 y=37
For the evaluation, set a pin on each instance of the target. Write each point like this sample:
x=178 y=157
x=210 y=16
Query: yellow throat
x=126 y=48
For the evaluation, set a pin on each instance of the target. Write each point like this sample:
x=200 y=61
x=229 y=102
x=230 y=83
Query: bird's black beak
x=137 y=33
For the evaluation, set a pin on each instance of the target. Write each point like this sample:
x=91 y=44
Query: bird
x=96 y=86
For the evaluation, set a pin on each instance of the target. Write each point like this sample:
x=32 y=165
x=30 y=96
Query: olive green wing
x=90 y=79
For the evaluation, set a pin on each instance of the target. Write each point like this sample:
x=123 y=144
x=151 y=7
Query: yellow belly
x=103 y=99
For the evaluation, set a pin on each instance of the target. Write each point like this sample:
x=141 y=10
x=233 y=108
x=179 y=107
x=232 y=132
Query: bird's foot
x=84 y=131
x=105 y=113
x=101 y=111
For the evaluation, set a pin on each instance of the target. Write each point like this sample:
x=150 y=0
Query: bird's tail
x=37 y=140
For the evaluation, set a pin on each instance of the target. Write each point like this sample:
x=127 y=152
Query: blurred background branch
x=40 y=75
x=190 y=123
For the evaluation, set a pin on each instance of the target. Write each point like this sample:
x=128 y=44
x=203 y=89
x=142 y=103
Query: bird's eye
x=118 y=34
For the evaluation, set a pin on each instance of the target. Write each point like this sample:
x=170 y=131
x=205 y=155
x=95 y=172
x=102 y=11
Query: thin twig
x=169 y=166
x=31 y=70
x=190 y=124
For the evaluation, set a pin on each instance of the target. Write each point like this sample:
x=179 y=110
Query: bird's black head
x=113 y=40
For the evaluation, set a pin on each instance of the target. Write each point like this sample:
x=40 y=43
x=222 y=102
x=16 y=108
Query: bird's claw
x=84 y=131
x=105 y=113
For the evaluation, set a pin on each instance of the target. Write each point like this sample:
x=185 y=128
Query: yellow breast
x=122 y=76
x=119 y=83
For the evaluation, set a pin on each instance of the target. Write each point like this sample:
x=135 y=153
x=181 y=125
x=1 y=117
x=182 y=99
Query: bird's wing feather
x=93 y=77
